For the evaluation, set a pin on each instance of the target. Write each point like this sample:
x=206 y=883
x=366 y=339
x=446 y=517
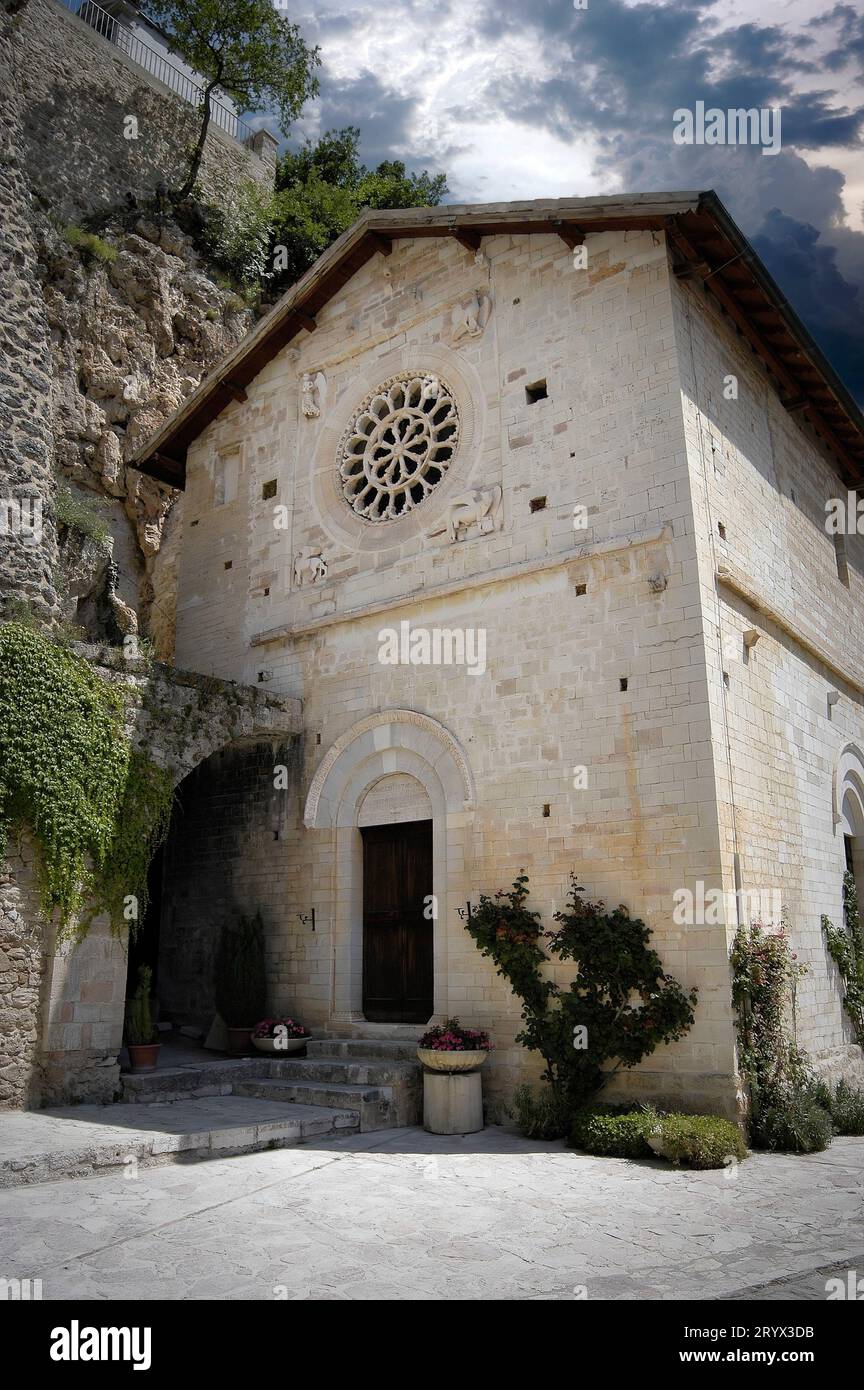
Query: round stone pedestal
x=452 y=1102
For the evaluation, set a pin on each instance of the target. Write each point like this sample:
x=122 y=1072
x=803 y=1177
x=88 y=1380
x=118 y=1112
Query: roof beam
x=470 y=240
x=760 y=347
x=380 y=242
x=571 y=235
x=233 y=389
x=164 y=469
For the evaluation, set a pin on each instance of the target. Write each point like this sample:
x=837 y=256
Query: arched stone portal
x=393 y=765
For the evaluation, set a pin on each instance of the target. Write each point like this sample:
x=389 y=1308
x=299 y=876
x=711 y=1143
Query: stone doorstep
x=79 y=1141
x=379 y=1107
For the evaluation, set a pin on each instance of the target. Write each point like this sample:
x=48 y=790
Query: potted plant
x=451 y=1048
x=280 y=1036
x=140 y=1028
x=241 y=984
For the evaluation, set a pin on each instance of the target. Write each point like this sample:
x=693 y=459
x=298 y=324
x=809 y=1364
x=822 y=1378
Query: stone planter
x=451 y=1061
x=280 y=1047
x=452 y=1102
x=144 y=1056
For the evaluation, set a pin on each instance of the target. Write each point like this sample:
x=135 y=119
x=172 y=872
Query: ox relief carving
x=469 y=320
x=312 y=394
x=310 y=567
x=474 y=513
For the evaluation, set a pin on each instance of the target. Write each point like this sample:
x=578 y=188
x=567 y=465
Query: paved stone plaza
x=406 y=1215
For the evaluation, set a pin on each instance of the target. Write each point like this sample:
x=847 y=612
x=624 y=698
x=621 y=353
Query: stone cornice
x=479 y=580
x=740 y=584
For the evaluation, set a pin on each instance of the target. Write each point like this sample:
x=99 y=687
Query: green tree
x=321 y=189
x=244 y=49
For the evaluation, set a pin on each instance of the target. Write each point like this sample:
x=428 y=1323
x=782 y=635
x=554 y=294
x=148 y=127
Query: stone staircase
x=379 y=1080
x=200 y=1106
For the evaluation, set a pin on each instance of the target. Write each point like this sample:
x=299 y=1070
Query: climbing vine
x=765 y=973
x=846 y=945
x=96 y=808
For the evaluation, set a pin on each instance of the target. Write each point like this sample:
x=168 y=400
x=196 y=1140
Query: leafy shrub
x=793 y=1123
x=241 y=981
x=616 y=1131
x=140 y=1028
x=90 y=247
x=81 y=513
x=623 y=1131
x=237 y=235
x=846 y=1108
x=619 y=1007
x=700 y=1141
x=540 y=1114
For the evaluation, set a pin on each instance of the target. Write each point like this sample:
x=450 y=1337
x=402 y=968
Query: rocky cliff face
x=99 y=346
x=131 y=337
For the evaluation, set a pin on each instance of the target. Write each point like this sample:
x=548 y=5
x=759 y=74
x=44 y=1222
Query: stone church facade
x=526 y=505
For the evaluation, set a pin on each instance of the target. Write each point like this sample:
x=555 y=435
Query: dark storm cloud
x=612 y=76
x=805 y=268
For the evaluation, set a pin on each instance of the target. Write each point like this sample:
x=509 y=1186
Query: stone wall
x=76 y=90
x=26 y=565
x=760 y=473
x=62 y=1004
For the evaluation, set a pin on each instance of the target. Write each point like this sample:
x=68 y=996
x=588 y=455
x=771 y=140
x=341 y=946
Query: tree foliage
x=322 y=188
x=244 y=49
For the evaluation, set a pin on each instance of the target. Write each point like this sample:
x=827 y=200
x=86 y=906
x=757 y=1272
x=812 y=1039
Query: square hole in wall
x=622 y=682
x=269 y=489
x=229 y=564
x=537 y=504
x=721 y=530
x=536 y=392
x=581 y=589
x=192 y=523
x=546 y=809
x=266 y=593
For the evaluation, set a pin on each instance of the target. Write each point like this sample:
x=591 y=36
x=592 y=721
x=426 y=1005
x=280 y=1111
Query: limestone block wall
x=568 y=614
x=759 y=473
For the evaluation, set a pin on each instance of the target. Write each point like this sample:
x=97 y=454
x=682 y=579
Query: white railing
x=152 y=61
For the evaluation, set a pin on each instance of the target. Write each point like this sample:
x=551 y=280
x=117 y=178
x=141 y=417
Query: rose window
x=399 y=446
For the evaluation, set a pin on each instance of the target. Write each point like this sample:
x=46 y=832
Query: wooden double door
x=397 y=932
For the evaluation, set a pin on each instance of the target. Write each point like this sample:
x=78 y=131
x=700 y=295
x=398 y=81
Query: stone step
x=207 y=1078
x=393 y=1049
x=78 y=1141
x=358 y=1071
x=379 y=1107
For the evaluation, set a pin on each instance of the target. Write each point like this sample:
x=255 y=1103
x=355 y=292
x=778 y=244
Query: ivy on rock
x=97 y=809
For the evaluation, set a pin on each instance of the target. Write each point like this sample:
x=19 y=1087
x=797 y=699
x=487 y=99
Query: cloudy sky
x=533 y=98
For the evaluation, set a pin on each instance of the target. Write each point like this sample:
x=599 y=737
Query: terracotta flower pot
x=284 y=1048
x=239 y=1041
x=144 y=1056
x=434 y=1060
